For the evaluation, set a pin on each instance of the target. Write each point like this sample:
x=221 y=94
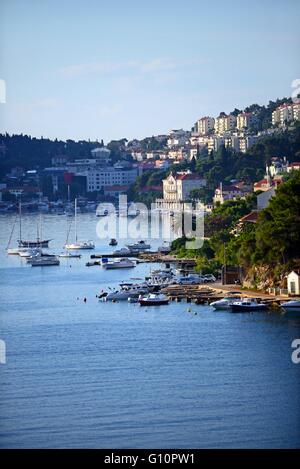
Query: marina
x=75 y=344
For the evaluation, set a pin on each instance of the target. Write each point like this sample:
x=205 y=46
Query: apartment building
x=224 y=123
x=286 y=113
x=204 y=125
x=245 y=120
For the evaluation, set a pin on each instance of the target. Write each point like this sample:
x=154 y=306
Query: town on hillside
x=219 y=159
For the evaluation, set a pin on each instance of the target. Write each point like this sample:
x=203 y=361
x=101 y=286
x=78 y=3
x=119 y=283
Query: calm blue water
x=102 y=375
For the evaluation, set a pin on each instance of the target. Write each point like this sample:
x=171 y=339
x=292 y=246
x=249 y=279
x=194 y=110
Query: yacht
x=247 y=304
x=224 y=303
x=78 y=244
x=292 y=306
x=133 y=291
x=118 y=264
x=154 y=299
x=44 y=261
x=139 y=246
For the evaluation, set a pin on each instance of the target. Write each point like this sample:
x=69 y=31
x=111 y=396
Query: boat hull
x=153 y=303
x=34 y=244
x=244 y=308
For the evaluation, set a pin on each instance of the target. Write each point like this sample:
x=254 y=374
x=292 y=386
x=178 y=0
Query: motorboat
x=139 y=246
x=153 y=299
x=113 y=242
x=30 y=252
x=292 y=306
x=78 y=244
x=123 y=252
x=165 y=248
x=69 y=255
x=248 y=304
x=126 y=293
x=119 y=264
x=224 y=303
x=44 y=261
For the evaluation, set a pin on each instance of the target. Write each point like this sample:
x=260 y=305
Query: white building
x=286 y=113
x=247 y=142
x=231 y=192
x=204 y=125
x=177 y=138
x=99 y=178
x=293 y=283
x=177 y=188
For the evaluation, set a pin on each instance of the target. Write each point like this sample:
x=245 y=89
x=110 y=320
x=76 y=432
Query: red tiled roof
x=250 y=217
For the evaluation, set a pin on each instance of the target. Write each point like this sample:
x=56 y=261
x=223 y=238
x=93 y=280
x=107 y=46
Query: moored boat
x=224 y=304
x=139 y=246
x=118 y=264
x=292 y=306
x=154 y=299
x=40 y=261
x=248 y=304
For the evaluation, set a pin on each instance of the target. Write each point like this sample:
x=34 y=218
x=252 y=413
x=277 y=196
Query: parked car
x=207 y=278
x=191 y=279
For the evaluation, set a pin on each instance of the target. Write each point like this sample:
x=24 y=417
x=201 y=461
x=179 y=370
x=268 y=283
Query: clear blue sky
x=125 y=68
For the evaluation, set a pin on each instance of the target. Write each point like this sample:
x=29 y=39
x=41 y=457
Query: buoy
x=84 y=299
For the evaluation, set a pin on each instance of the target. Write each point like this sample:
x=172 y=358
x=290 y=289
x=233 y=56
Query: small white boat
x=69 y=255
x=44 y=261
x=292 y=306
x=123 y=252
x=118 y=264
x=80 y=245
x=29 y=252
x=153 y=299
x=126 y=293
x=247 y=304
x=14 y=251
x=139 y=246
x=224 y=304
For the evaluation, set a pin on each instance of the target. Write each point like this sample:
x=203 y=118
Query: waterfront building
x=293 y=283
x=177 y=188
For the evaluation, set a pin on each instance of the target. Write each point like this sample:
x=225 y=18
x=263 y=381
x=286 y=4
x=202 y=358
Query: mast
x=20 y=220
x=75 y=221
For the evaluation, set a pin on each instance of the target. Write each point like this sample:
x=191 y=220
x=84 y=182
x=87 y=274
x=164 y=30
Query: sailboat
x=79 y=244
x=39 y=243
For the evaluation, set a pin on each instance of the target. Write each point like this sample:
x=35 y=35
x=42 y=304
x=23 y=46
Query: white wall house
x=293 y=283
x=177 y=188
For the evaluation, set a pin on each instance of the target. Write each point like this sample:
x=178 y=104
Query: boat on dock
x=154 y=299
x=248 y=304
x=224 y=304
x=139 y=246
x=118 y=264
x=292 y=306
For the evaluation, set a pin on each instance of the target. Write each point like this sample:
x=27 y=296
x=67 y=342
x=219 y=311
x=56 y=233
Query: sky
x=125 y=68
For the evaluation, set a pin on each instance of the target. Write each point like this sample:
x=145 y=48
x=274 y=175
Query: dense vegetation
x=272 y=245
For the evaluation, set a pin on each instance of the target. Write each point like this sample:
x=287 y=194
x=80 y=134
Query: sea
x=93 y=374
